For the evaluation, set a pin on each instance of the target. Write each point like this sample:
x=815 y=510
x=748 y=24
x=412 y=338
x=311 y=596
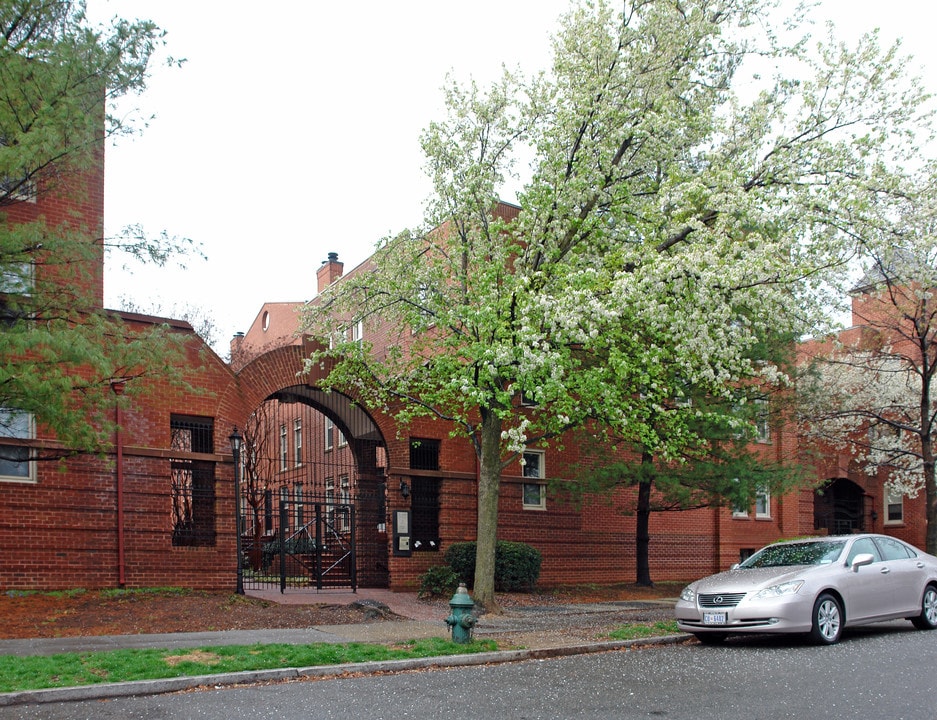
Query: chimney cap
x=333 y=257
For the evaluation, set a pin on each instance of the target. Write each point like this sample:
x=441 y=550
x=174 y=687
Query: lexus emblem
x=718 y=600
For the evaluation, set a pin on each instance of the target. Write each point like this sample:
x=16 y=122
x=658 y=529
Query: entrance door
x=839 y=508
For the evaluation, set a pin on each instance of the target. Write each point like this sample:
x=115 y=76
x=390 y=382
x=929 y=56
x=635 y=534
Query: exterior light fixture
x=236 y=440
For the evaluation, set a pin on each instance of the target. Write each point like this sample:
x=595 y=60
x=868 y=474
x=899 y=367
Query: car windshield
x=804 y=553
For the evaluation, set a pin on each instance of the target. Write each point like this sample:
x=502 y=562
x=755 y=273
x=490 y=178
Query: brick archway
x=839 y=507
x=318 y=444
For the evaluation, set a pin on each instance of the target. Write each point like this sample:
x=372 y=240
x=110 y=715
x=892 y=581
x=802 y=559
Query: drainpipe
x=118 y=388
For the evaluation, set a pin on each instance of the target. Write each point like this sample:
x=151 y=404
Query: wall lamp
x=404 y=489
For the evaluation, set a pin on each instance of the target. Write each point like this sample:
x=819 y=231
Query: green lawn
x=70 y=669
x=34 y=672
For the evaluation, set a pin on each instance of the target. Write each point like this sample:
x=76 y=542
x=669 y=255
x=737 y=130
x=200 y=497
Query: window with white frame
x=534 y=493
x=738 y=511
x=528 y=399
x=298 y=442
x=894 y=507
x=19 y=185
x=284 y=447
x=15 y=463
x=330 y=499
x=16 y=284
x=299 y=505
x=345 y=499
x=762 y=502
x=762 y=425
x=329 y=434
x=357 y=332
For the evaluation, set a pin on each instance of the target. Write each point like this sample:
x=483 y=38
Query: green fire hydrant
x=461 y=619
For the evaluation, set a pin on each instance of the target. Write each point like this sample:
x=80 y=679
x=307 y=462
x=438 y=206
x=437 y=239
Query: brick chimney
x=330 y=271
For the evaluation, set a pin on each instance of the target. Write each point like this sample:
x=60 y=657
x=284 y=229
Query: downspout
x=118 y=388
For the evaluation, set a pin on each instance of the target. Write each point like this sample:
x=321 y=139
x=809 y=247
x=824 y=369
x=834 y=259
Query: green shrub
x=517 y=565
x=461 y=558
x=438 y=581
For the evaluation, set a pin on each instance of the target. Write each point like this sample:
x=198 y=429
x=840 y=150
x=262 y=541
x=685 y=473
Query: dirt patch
x=196 y=656
x=44 y=615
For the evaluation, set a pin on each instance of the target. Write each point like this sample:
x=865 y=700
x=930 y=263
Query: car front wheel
x=827 y=620
x=927 y=620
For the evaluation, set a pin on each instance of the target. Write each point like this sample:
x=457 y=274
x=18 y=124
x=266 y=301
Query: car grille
x=720 y=599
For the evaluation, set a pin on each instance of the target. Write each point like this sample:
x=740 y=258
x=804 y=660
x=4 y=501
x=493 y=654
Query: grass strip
x=640 y=630
x=35 y=672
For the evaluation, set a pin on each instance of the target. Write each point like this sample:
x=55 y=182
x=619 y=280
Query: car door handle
x=885 y=571
x=920 y=565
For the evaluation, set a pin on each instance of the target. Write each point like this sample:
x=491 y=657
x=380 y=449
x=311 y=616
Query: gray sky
x=293 y=130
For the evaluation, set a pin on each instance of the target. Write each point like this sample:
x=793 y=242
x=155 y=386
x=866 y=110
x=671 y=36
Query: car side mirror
x=735 y=566
x=862 y=559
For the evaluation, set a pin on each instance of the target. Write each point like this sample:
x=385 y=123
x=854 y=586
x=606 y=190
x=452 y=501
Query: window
x=534 y=494
x=17 y=186
x=533 y=464
x=16 y=283
x=357 y=332
x=424 y=454
x=893 y=549
x=762 y=427
x=298 y=442
x=329 y=434
x=284 y=503
x=894 y=507
x=15 y=464
x=298 y=502
x=284 y=448
x=192 y=481
x=528 y=399
x=17 y=189
x=424 y=498
x=738 y=510
x=860 y=546
x=345 y=500
x=762 y=502
x=330 y=499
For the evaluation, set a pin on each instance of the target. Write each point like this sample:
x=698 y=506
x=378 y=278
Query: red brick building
x=428 y=480
x=341 y=483
x=157 y=510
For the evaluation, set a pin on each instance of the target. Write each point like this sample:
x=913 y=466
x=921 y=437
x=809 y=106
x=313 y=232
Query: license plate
x=715 y=618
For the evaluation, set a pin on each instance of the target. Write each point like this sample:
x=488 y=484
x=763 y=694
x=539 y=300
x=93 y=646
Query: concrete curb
x=168 y=685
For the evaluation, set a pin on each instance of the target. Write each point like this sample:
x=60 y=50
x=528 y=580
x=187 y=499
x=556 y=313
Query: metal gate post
x=319 y=546
x=354 y=552
x=281 y=541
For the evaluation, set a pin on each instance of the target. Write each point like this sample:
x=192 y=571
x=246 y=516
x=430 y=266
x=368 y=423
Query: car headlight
x=775 y=591
x=688 y=594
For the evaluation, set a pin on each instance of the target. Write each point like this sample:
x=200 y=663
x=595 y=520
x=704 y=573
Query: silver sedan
x=817 y=586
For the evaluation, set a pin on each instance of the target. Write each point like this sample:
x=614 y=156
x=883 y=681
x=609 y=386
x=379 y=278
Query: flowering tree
x=668 y=225
x=874 y=392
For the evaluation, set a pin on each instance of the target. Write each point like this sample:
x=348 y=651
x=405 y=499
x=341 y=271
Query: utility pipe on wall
x=118 y=388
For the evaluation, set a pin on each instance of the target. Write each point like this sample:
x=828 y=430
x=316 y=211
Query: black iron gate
x=308 y=543
x=315 y=543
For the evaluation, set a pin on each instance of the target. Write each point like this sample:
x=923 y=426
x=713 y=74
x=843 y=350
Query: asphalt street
x=880 y=672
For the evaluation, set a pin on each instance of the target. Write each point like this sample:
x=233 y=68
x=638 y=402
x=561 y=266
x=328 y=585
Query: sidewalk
x=533 y=632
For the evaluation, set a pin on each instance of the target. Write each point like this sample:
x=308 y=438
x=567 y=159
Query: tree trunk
x=489 y=486
x=642 y=531
x=930 y=494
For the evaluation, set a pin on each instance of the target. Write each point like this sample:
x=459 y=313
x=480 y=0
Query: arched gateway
x=840 y=507
x=312 y=481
